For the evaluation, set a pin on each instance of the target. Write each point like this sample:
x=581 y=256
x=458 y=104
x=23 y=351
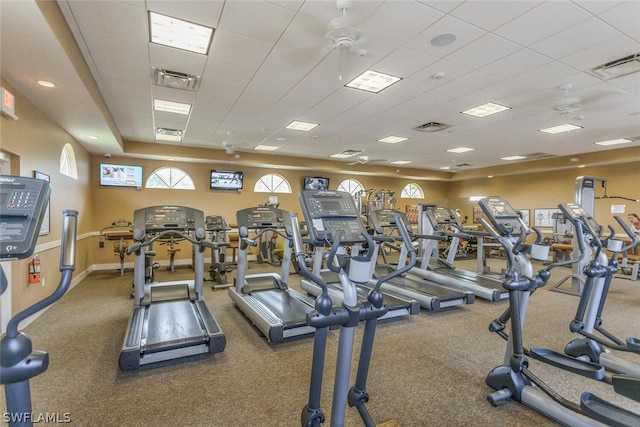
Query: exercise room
x=352 y=212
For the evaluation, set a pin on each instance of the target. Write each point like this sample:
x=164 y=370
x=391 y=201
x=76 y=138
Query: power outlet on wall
x=42 y=281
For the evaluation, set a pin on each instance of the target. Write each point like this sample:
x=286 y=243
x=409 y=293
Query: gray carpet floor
x=427 y=370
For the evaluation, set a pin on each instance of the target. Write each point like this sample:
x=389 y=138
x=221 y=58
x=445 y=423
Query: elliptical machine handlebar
x=406 y=240
x=631 y=234
x=300 y=254
x=67 y=267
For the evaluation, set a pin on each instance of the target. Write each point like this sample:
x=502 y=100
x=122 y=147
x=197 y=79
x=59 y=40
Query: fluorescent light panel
x=401 y=162
x=393 y=139
x=305 y=126
x=513 y=158
x=171 y=107
x=560 y=129
x=614 y=142
x=486 y=110
x=180 y=34
x=266 y=147
x=372 y=81
x=461 y=150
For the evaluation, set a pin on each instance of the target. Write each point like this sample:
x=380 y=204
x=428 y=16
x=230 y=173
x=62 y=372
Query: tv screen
x=120 y=175
x=316 y=183
x=226 y=180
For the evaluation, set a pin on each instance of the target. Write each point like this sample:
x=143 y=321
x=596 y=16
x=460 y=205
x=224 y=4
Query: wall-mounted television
x=226 y=180
x=112 y=175
x=315 y=183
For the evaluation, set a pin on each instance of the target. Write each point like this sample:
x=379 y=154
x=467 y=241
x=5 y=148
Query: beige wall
x=35 y=143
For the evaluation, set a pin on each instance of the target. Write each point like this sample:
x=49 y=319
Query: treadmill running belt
x=290 y=310
x=173 y=324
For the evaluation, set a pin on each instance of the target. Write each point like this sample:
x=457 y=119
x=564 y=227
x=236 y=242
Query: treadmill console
x=23 y=204
x=575 y=212
x=154 y=219
x=326 y=212
x=383 y=218
x=263 y=217
x=215 y=223
x=504 y=218
x=442 y=219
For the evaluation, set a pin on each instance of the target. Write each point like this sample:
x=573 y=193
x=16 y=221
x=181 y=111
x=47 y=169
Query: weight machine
x=120 y=233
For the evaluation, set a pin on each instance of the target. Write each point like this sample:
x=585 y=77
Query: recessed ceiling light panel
x=393 y=139
x=372 y=81
x=265 y=147
x=614 y=142
x=346 y=154
x=401 y=162
x=511 y=158
x=567 y=127
x=171 y=107
x=304 y=126
x=173 y=32
x=485 y=110
x=460 y=150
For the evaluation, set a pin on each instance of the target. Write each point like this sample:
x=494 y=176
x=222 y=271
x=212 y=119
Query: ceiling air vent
x=618 y=68
x=166 y=134
x=538 y=156
x=431 y=127
x=175 y=79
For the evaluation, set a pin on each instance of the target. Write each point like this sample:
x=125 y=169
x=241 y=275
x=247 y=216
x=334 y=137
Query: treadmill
x=276 y=310
x=429 y=294
x=170 y=320
x=437 y=220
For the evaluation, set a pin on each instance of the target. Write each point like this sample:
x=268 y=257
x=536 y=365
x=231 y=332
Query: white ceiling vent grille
x=431 y=127
x=538 y=155
x=618 y=68
x=175 y=79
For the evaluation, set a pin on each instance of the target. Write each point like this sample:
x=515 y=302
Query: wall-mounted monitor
x=315 y=183
x=112 y=175
x=226 y=180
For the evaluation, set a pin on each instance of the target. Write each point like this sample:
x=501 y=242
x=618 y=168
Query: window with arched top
x=412 y=191
x=272 y=183
x=351 y=186
x=170 y=177
x=68 y=165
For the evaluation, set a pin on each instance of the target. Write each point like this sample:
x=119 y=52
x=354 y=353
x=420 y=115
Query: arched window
x=170 y=178
x=272 y=183
x=350 y=186
x=412 y=191
x=68 y=164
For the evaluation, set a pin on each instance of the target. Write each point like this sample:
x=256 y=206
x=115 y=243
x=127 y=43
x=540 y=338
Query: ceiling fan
x=340 y=32
x=363 y=159
x=568 y=104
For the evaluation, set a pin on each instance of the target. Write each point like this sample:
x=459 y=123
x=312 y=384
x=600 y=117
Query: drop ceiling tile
x=541 y=22
x=241 y=20
x=515 y=64
x=241 y=50
x=483 y=51
x=602 y=53
x=464 y=32
x=404 y=62
x=575 y=39
x=492 y=14
x=199 y=12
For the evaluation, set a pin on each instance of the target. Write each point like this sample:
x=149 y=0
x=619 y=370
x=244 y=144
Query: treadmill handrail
x=195 y=240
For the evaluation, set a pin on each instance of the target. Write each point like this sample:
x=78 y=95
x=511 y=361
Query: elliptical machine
x=513 y=379
x=333 y=219
x=21 y=212
x=588 y=318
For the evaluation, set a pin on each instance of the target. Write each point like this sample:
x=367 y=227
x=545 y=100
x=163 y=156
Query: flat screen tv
x=316 y=183
x=112 y=175
x=226 y=180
